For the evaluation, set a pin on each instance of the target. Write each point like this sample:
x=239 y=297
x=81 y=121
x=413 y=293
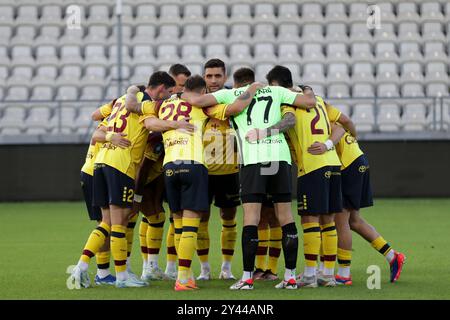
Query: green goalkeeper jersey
x=264 y=111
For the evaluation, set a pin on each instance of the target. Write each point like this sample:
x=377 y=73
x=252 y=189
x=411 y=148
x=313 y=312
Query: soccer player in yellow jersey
x=318 y=184
x=357 y=194
x=114 y=174
x=223 y=179
x=179 y=73
x=184 y=164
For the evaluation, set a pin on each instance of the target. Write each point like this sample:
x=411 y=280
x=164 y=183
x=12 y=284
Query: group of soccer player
x=189 y=140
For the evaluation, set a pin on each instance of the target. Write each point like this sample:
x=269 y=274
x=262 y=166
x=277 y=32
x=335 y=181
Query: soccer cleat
x=188 y=286
x=341 y=281
x=171 y=275
x=226 y=274
x=108 y=280
x=397 y=266
x=150 y=273
x=78 y=279
x=307 y=282
x=243 y=285
x=269 y=276
x=131 y=282
x=258 y=274
x=291 y=284
x=326 y=281
x=205 y=274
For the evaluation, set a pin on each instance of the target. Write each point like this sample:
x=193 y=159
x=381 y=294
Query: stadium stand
x=392 y=79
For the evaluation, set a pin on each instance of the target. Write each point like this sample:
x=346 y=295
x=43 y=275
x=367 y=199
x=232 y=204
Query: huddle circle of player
x=189 y=141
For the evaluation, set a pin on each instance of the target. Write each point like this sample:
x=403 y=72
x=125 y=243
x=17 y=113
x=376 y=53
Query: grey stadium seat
x=338 y=73
x=363 y=72
x=336 y=32
x=69 y=75
x=388 y=117
x=409 y=31
x=265 y=12
x=240 y=33
x=335 y=12
x=407 y=11
x=362 y=52
x=143 y=54
x=436 y=72
x=261 y=71
x=288 y=52
x=313 y=73
x=145 y=33
x=192 y=53
x=363 y=90
x=410 y=52
x=388 y=90
x=312 y=33
x=27 y=14
x=241 y=53
x=97 y=34
x=437 y=90
x=216 y=33
x=51 y=15
x=45 y=75
x=168 y=34
x=22 y=55
x=217 y=13
x=95 y=54
x=142 y=74
x=414 y=117
x=24 y=35
x=337 y=52
x=46 y=55
x=433 y=31
x=385 y=33
x=125 y=54
x=435 y=51
x=340 y=90
x=66 y=93
x=98 y=14
x=127 y=31
x=167 y=53
x=93 y=75
x=49 y=34
x=358 y=12
x=7 y=15
x=240 y=12
x=193 y=13
x=311 y=12
x=145 y=13
x=5 y=34
x=411 y=72
x=20 y=75
x=170 y=12
x=71 y=54
x=264 y=52
x=363 y=117
x=412 y=90
x=42 y=93
x=13 y=117
x=312 y=52
x=91 y=93
x=38 y=117
x=387 y=72
x=288 y=32
x=359 y=32
x=264 y=32
x=192 y=34
x=288 y=11
x=216 y=51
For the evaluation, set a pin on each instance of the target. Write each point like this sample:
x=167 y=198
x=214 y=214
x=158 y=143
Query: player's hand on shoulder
x=257 y=85
x=317 y=148
x=184 y=125
x=120 y=141
x=133 y=89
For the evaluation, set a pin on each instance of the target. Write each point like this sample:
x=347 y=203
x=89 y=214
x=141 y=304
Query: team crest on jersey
x=362 y=169
x=169 y=172
x=327 y=174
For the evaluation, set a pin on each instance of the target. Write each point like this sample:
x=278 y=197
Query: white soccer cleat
x=171 y=275
x=307 y=282
x=326 y=281
x=243 y=285
x=131 y=282
x=289 y=285
x=78 y=279
x=226 y=274
x=205 y=274
x=150 y=273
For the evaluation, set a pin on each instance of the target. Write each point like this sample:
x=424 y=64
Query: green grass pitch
x=38 y=241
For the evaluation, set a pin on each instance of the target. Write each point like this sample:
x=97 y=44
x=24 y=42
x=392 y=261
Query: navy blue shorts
x=112 y=187
x=356 y=190
x=319 y=192
x=87 y=185
x=224 y=189
x=186 y=186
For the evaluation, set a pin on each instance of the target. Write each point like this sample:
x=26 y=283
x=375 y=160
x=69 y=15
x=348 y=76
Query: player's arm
x=203 y=100
x=307 y=100
x=117 y=139
x=131 y=102
x=348 y=124
x=287 y=122
x=243 y=100
x=337 y=132
x=158 y=125
x=103 y=111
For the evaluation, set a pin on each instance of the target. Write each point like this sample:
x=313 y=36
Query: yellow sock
x=95 y=242
x=228 y=239
x=203 y=242
x=154 y=234
x=274 y=248
x=143 y=238
x=381 y=245
x=261 y=251
x=344 y=257
x=329 y=244
x=178 y=224
x=170 y=243
x=187 y=245
x=311 y=243
x=119 y=247
x=130 y=233
x=103 y=259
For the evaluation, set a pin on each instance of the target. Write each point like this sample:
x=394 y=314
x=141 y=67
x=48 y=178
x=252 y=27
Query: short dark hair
x=178 y=68
x=281 y=75
x=215 y=63
x=243 y=76
x=195 y=83
x=161 y=77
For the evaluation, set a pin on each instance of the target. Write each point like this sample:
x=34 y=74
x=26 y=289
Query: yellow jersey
x=93 y=149
x=311 y=125
x=220 y=148
x=178 y=145
x=121 y=120
x=348 y=148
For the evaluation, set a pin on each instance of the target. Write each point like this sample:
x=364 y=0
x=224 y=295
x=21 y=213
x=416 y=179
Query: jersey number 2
x=183 y=109
x=316 y=119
